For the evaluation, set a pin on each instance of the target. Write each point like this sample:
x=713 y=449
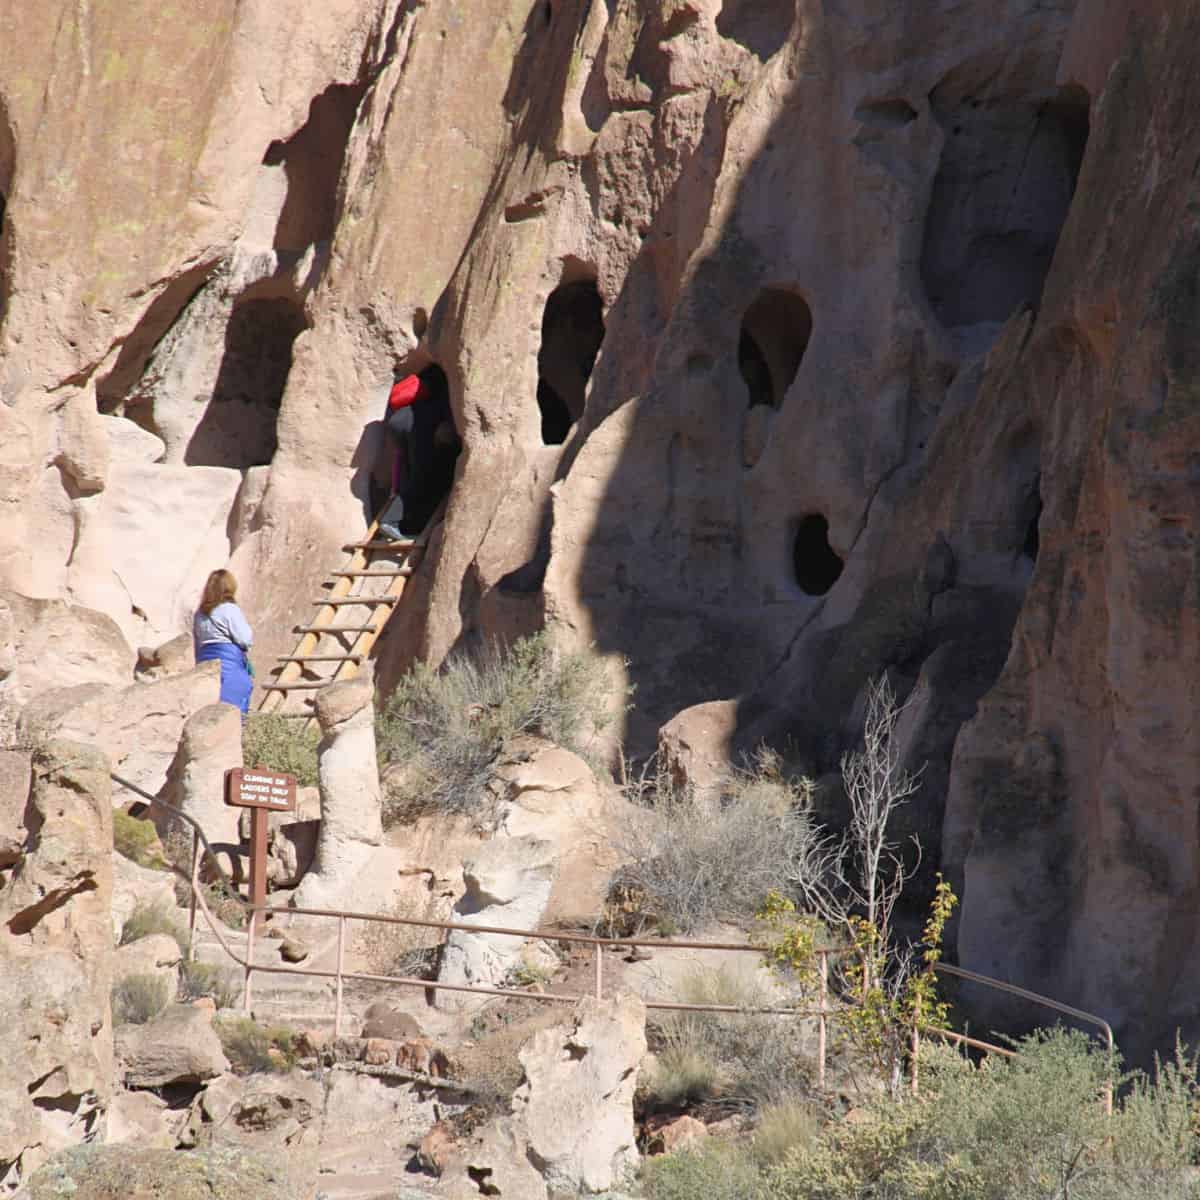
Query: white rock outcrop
x=210 y=745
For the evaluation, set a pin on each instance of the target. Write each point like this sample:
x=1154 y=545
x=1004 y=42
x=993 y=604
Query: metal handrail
x=822 y=1012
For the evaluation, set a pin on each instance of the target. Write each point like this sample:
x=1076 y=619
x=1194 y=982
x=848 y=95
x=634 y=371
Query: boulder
x=384 y=1020
x=142 y=1119
x=178 y=1046
x=507 y=884
x=138 y=726
x=171 y=657
x=550 y=793
x=575 y=1108
x=157 y=954
x=695 y=745
x=56 y=961
x=210 y=745
x=220 y=1173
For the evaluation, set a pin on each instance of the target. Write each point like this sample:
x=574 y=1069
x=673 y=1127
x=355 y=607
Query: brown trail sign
x=261 y=792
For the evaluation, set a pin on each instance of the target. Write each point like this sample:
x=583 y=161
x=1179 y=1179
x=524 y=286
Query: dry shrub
x=747 y=1059
x=695 y=860
x=197 y=979
x=252 y=1048
x=151 y=918
x=137 y=839
x=137 y=999
x=447 y=728
x=411 y=951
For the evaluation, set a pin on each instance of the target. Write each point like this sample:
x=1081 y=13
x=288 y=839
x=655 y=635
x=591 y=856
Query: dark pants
x=419 y=468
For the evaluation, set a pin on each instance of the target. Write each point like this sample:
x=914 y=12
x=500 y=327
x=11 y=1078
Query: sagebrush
x=1032 y=1128
x=137 y=839
x=198 y=979
x=697 y=859
x=444 y=730
x=252 y=1048
x=138 y=998
x=276 y=743
x=146 y=919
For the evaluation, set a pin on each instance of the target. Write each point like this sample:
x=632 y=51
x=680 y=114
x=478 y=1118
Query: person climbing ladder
x=418 y=417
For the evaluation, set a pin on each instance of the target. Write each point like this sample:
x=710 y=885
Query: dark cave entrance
x=775 y=333
x=238 y=428
x=1033 y=518
x=816 y=564
x=1000 y=198
x=428 y=455
x=572 y=330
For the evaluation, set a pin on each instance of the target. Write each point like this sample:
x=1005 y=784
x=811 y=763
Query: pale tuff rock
x=178 y=1046
x=696 y=746
x=351 y=801
x=157 y=955
x=55 y=958
x=211 y=744
x=507 y=882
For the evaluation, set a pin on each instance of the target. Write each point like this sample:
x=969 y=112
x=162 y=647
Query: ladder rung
x=355 y=600
x=382 y=544
x=321 y=658
x=391 y=573
x=295 y=687
x=295 y=716
x=335 y=629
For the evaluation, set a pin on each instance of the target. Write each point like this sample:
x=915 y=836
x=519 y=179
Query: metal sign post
x=261 y=792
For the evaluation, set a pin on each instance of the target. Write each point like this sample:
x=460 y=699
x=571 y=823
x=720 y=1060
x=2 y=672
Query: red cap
x=407 y=390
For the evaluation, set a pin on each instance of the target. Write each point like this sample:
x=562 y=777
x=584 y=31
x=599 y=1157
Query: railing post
x=1108 y=1083
x=822 y=993
x=599 y=971
x=249 y=959
x=193 y=876
x=341 y=959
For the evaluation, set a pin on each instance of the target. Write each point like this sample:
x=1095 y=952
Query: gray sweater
x=224 y=624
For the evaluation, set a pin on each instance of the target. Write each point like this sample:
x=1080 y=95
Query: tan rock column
x=211 y=743
x=351 y=799
x=56 y=1040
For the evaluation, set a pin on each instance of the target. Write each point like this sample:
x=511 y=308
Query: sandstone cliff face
x=789 y=342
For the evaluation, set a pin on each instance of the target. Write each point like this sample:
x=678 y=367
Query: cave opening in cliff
x=238 y=428
x=312 y=160
x=1033 y=512
x=1000 y=198
x=774 y=336
x=816 y=564
x=572 y=330
x=760 y=28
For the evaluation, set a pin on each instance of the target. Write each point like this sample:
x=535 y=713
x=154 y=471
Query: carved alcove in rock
x=816 y=564
x=239 y=422
x=775 y=333
x=572 y=330
x=1003 y=188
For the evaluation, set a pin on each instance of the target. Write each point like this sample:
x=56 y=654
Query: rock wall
x=56 y=1037
x=789 y=343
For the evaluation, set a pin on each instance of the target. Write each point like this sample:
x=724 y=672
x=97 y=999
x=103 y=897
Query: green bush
x=714 y=1172
x=694 y=860
x=137 y=840
x=249 y=1046
x=447 y=728
x=197 y=979
x=137 y=999
x=276 y=743
x=1032 y=1128
x=152 y=918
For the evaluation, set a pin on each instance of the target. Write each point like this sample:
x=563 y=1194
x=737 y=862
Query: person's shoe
x=390 y=532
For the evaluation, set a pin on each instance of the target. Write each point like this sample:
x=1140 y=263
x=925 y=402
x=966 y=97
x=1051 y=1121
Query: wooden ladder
x=364 y=592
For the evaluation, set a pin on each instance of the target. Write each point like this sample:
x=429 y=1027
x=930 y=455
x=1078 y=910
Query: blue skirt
x=236 y=684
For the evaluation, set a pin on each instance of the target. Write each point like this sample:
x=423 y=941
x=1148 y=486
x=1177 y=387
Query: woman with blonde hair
x=221 y=632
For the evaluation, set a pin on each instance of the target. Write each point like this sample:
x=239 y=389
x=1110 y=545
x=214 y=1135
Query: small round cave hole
x=816 y=564
x=774 y=336
x=572 y=330
x=238 y=428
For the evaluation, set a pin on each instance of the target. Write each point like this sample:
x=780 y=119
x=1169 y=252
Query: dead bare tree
x=859 y=876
